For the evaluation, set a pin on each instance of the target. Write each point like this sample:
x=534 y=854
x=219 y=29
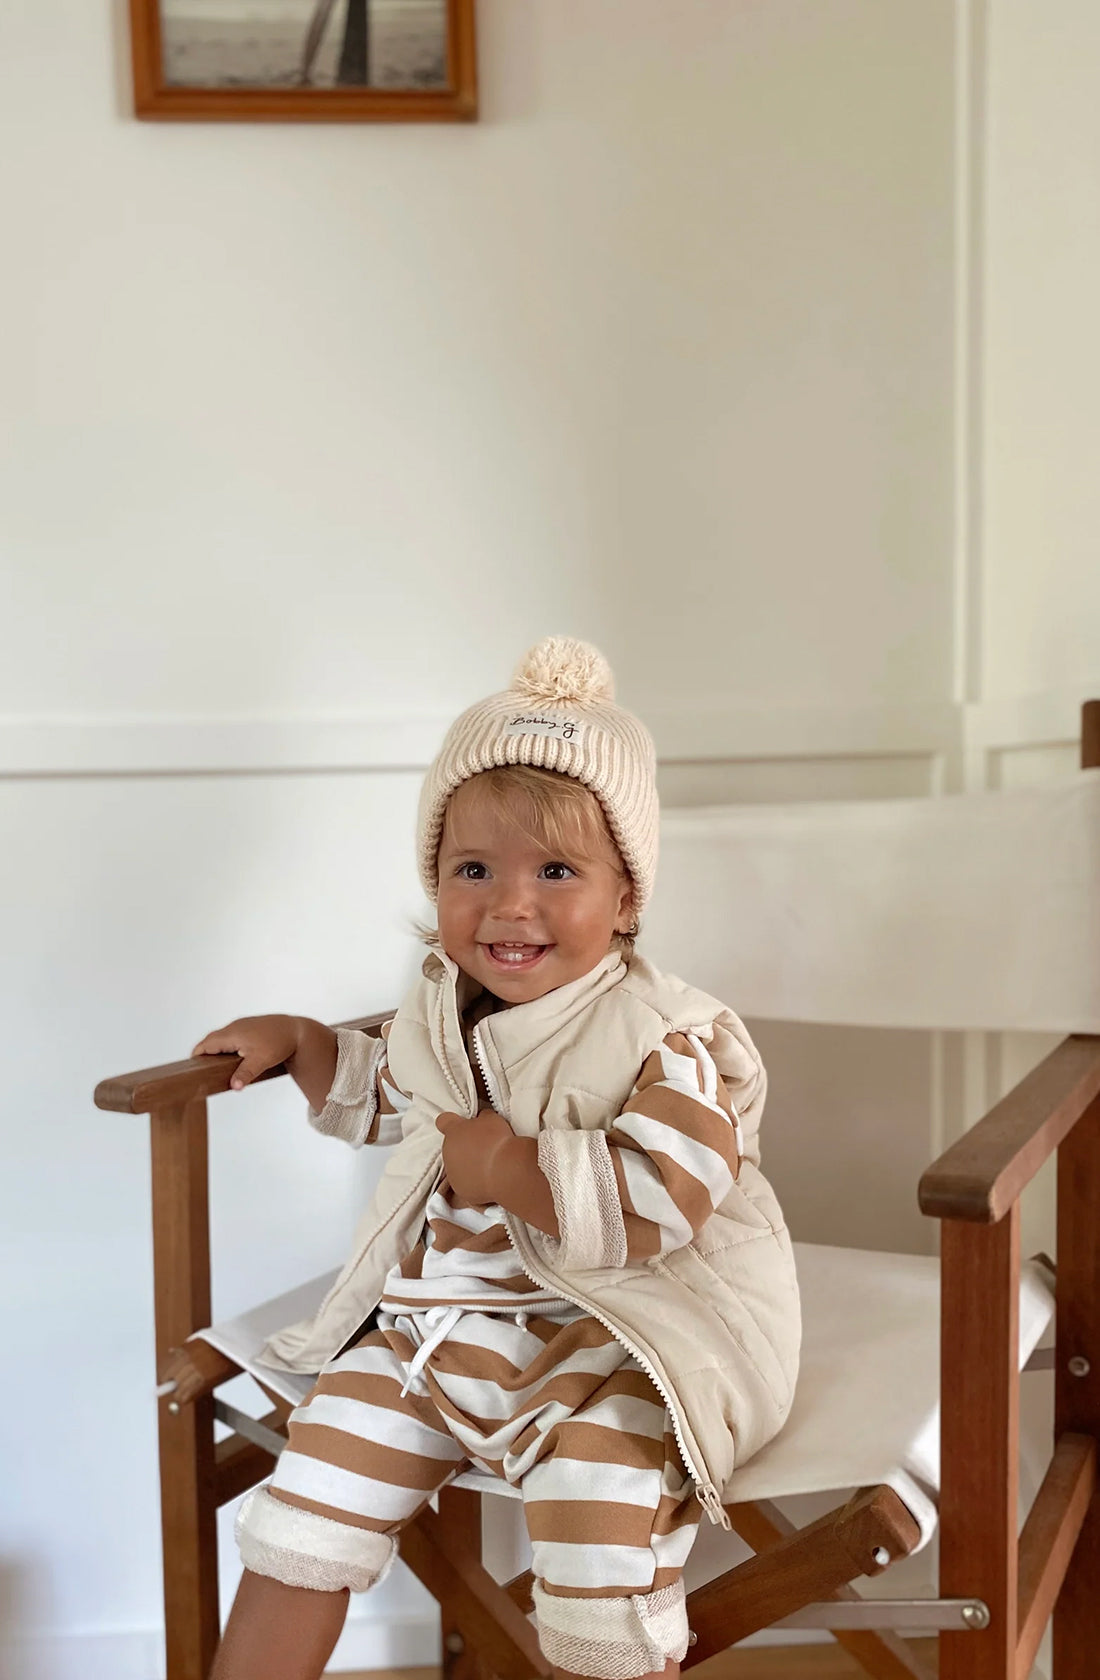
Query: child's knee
x=613 y=1638
x=303 y=1549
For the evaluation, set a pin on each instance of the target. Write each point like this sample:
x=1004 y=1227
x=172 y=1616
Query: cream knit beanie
x=559 y=714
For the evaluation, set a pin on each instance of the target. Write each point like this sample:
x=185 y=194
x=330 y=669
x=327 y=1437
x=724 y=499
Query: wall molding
x=153 y=744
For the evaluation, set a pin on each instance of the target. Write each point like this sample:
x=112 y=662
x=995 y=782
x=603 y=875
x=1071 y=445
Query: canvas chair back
x=966 y=912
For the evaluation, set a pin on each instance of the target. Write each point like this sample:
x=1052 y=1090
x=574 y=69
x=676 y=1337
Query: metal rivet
x=174 y=1407
x=881 y=1556
x=975 y=1615
x=1079 y=1366
x=693 y=1638
x=454 y=1644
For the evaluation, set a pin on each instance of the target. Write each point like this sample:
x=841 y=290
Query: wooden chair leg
x=460 y=1531
x=189 y=1500
x=882 y=1654
x=493 y=1632
x=811 y=1563
x=1077 y=1382
x=980 y=1308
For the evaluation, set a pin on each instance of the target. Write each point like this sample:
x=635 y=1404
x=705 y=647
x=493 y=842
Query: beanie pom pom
x=559 y=668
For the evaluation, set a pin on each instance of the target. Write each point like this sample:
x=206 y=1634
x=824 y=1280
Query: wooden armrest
x=200 y=1076
x=982 y=1175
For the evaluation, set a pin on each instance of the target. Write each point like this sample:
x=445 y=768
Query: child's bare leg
x=276 y=1632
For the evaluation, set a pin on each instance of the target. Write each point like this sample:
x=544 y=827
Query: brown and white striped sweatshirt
x=665 y=1162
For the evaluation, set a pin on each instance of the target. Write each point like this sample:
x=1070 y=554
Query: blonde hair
x=557 y=811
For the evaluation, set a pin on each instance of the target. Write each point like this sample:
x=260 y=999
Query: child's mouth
x=514 y=958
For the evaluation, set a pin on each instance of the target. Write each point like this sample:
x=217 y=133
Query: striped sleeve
x=648 y=1184
x=364 y=1105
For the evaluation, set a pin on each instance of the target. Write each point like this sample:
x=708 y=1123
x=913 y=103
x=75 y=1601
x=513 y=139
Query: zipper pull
x=708 y=1496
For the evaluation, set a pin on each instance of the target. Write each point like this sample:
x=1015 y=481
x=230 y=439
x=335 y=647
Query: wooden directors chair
x=993 y=902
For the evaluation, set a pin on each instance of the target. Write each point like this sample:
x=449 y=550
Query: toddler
x=573 y=1274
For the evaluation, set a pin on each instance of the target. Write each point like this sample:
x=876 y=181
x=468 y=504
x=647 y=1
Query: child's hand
x=472 y=1152
x=261 y=1041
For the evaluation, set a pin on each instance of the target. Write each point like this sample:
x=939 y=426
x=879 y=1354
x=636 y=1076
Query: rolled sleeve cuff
x=613 y=1638
x=351 y=1106
x=303 y=1549
x=582 y=1182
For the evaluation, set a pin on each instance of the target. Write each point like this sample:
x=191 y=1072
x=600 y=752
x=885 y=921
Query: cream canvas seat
x=866 y=1410
x=961 y=913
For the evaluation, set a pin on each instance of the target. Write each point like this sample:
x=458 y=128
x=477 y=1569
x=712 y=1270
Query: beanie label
x=562 y=729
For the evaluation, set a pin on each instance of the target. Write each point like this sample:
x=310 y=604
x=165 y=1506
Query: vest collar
x=509 y=1034
x=438 y=966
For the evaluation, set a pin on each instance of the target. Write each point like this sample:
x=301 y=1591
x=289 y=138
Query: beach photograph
x=304 y=43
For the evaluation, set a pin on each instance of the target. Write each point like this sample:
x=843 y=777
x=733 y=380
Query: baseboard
x=362 y=1646
x=385 y=1642
x=138 y=1653
x=85 y=1654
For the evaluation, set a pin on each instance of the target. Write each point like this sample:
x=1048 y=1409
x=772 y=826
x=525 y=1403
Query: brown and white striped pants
x=558 y=1409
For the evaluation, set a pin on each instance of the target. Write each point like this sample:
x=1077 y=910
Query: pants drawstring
x=439 y=1322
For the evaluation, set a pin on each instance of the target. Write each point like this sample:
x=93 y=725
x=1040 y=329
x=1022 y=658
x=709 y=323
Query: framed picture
x=304 y=60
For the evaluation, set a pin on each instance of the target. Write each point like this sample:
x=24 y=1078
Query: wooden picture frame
x=352 y=90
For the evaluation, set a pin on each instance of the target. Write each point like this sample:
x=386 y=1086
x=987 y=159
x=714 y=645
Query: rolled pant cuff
x=302 y=1549
x=613 y=1638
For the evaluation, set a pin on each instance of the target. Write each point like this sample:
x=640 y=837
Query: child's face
x=501 y=890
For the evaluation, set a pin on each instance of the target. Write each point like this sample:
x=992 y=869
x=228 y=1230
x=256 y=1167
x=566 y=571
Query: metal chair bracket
x=251 y=1428
x=918 y=1615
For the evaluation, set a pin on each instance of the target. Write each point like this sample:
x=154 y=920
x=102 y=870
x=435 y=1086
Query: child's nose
x=513 y=902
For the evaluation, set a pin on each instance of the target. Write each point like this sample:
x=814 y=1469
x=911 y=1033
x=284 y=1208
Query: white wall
x=1042 y=350
x=306 y=434
x=678 y=307
x=1041 y=400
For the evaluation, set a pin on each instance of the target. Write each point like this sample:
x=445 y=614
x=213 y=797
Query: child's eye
x=564 y=869
x=463 y=871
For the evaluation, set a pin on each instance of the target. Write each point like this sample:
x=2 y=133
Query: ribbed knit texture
x=613 y=1638
x=581 y=1175
x=303 y=1549
x=559 y=714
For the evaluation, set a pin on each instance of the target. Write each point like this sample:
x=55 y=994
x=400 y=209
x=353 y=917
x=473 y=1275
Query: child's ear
x=625 y=917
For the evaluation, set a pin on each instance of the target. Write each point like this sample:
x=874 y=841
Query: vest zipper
x=452 y=1081
x=494 y=1094
x=705 y=1492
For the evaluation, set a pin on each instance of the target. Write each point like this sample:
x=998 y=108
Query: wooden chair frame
x=1051 y=1567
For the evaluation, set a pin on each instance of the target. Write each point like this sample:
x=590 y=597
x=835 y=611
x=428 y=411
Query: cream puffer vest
x=715 y=1324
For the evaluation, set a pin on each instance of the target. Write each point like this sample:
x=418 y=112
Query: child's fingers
x=444 y=1121
x=250 y=1068
x=217 y=1044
